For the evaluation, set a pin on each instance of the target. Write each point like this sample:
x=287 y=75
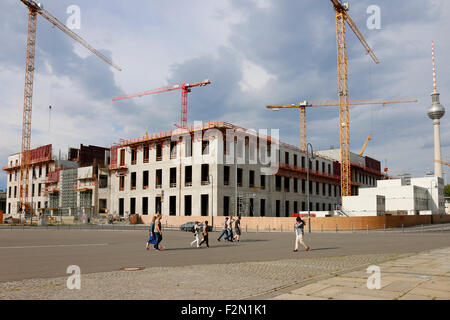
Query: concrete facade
x=280 y=193
x=37 y=178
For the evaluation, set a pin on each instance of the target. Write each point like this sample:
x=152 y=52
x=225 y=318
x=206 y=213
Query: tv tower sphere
x=436 y=110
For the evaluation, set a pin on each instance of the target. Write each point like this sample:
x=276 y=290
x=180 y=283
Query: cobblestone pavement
x=213 y=281
x=424 y=276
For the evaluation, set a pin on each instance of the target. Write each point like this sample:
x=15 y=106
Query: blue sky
x=255 y=52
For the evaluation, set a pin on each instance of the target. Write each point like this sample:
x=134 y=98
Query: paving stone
x=309 y=289
x=288 y=296
x=400 y=286
x=348 y=296
x=431 y=293
x=410 y=296
x=345 y=281
x=442 y=284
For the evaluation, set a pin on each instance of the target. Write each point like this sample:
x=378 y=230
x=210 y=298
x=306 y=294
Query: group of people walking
x=155 y=233
x=227 y=229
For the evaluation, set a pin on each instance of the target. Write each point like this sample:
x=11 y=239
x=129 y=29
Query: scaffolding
x=86 y=199
x=68 y=194
x=53 y=200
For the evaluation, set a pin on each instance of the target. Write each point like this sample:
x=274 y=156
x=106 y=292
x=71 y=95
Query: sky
x=255 y=52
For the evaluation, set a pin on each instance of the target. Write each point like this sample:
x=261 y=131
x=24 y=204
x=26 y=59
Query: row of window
x=365 y=179
x=323 y=189
x=158 y=203
x=205 y=177
x=320 y=188
x=159 y=152
x=37 y=172
x=313 y=165
x=204 y=206
x=32 y=186
x=36 y=205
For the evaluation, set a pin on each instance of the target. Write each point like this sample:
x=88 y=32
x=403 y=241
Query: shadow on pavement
x=317 y=249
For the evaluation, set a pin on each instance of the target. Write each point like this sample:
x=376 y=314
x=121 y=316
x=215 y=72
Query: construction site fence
x=317 y=224
x=430 y=229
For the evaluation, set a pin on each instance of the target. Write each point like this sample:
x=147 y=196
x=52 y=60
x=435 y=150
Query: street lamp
x=212 y=201
x=307 y=182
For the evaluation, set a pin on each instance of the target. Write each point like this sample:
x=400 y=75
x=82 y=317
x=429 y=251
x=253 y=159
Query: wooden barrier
x=317 y=224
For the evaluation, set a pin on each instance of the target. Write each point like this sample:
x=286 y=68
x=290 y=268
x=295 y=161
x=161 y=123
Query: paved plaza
x=424 y=276
x=261 y=266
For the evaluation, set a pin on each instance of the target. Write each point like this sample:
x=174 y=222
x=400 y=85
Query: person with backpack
x=298 y=227
x=224 y=230
x=196 y=231
x=205 y=235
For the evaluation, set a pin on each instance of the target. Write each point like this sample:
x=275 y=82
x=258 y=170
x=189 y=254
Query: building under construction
x=58 y=186
x=214 y=168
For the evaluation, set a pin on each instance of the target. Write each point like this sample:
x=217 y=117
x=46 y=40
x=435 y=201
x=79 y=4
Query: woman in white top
x=196 y=234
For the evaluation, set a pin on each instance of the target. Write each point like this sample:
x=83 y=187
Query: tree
x=447 y=191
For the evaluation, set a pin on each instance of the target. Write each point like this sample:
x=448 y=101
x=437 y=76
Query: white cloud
x=254 y=77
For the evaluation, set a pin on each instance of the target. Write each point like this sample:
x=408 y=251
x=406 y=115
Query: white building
x=161 y=174
x=402 y=197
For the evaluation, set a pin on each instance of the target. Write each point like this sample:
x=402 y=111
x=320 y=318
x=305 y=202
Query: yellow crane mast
x=342 y=18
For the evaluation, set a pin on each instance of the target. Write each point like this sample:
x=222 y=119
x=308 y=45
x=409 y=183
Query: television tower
x=435 y=113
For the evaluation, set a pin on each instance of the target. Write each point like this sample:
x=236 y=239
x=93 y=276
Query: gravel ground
x=214 y=281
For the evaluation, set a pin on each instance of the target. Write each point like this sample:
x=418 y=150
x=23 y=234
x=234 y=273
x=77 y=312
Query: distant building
x=406 y=196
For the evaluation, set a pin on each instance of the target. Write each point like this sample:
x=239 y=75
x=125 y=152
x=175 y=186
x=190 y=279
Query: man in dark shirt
x=205 y=235
x=237 y=229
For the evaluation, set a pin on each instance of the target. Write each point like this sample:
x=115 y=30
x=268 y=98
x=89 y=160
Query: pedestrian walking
x=196 y=234
x=205 y=235
x=158 y=233
x=298 y=227
x=151 y=235
x=237 y=229
x=230 y=229
x=224 y=230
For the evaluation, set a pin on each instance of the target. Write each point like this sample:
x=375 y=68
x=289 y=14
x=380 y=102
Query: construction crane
x=365 y=145
x=33 y=10
x=442 y=162
x=331 y=103
x=342 y=18
x=185 y=89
